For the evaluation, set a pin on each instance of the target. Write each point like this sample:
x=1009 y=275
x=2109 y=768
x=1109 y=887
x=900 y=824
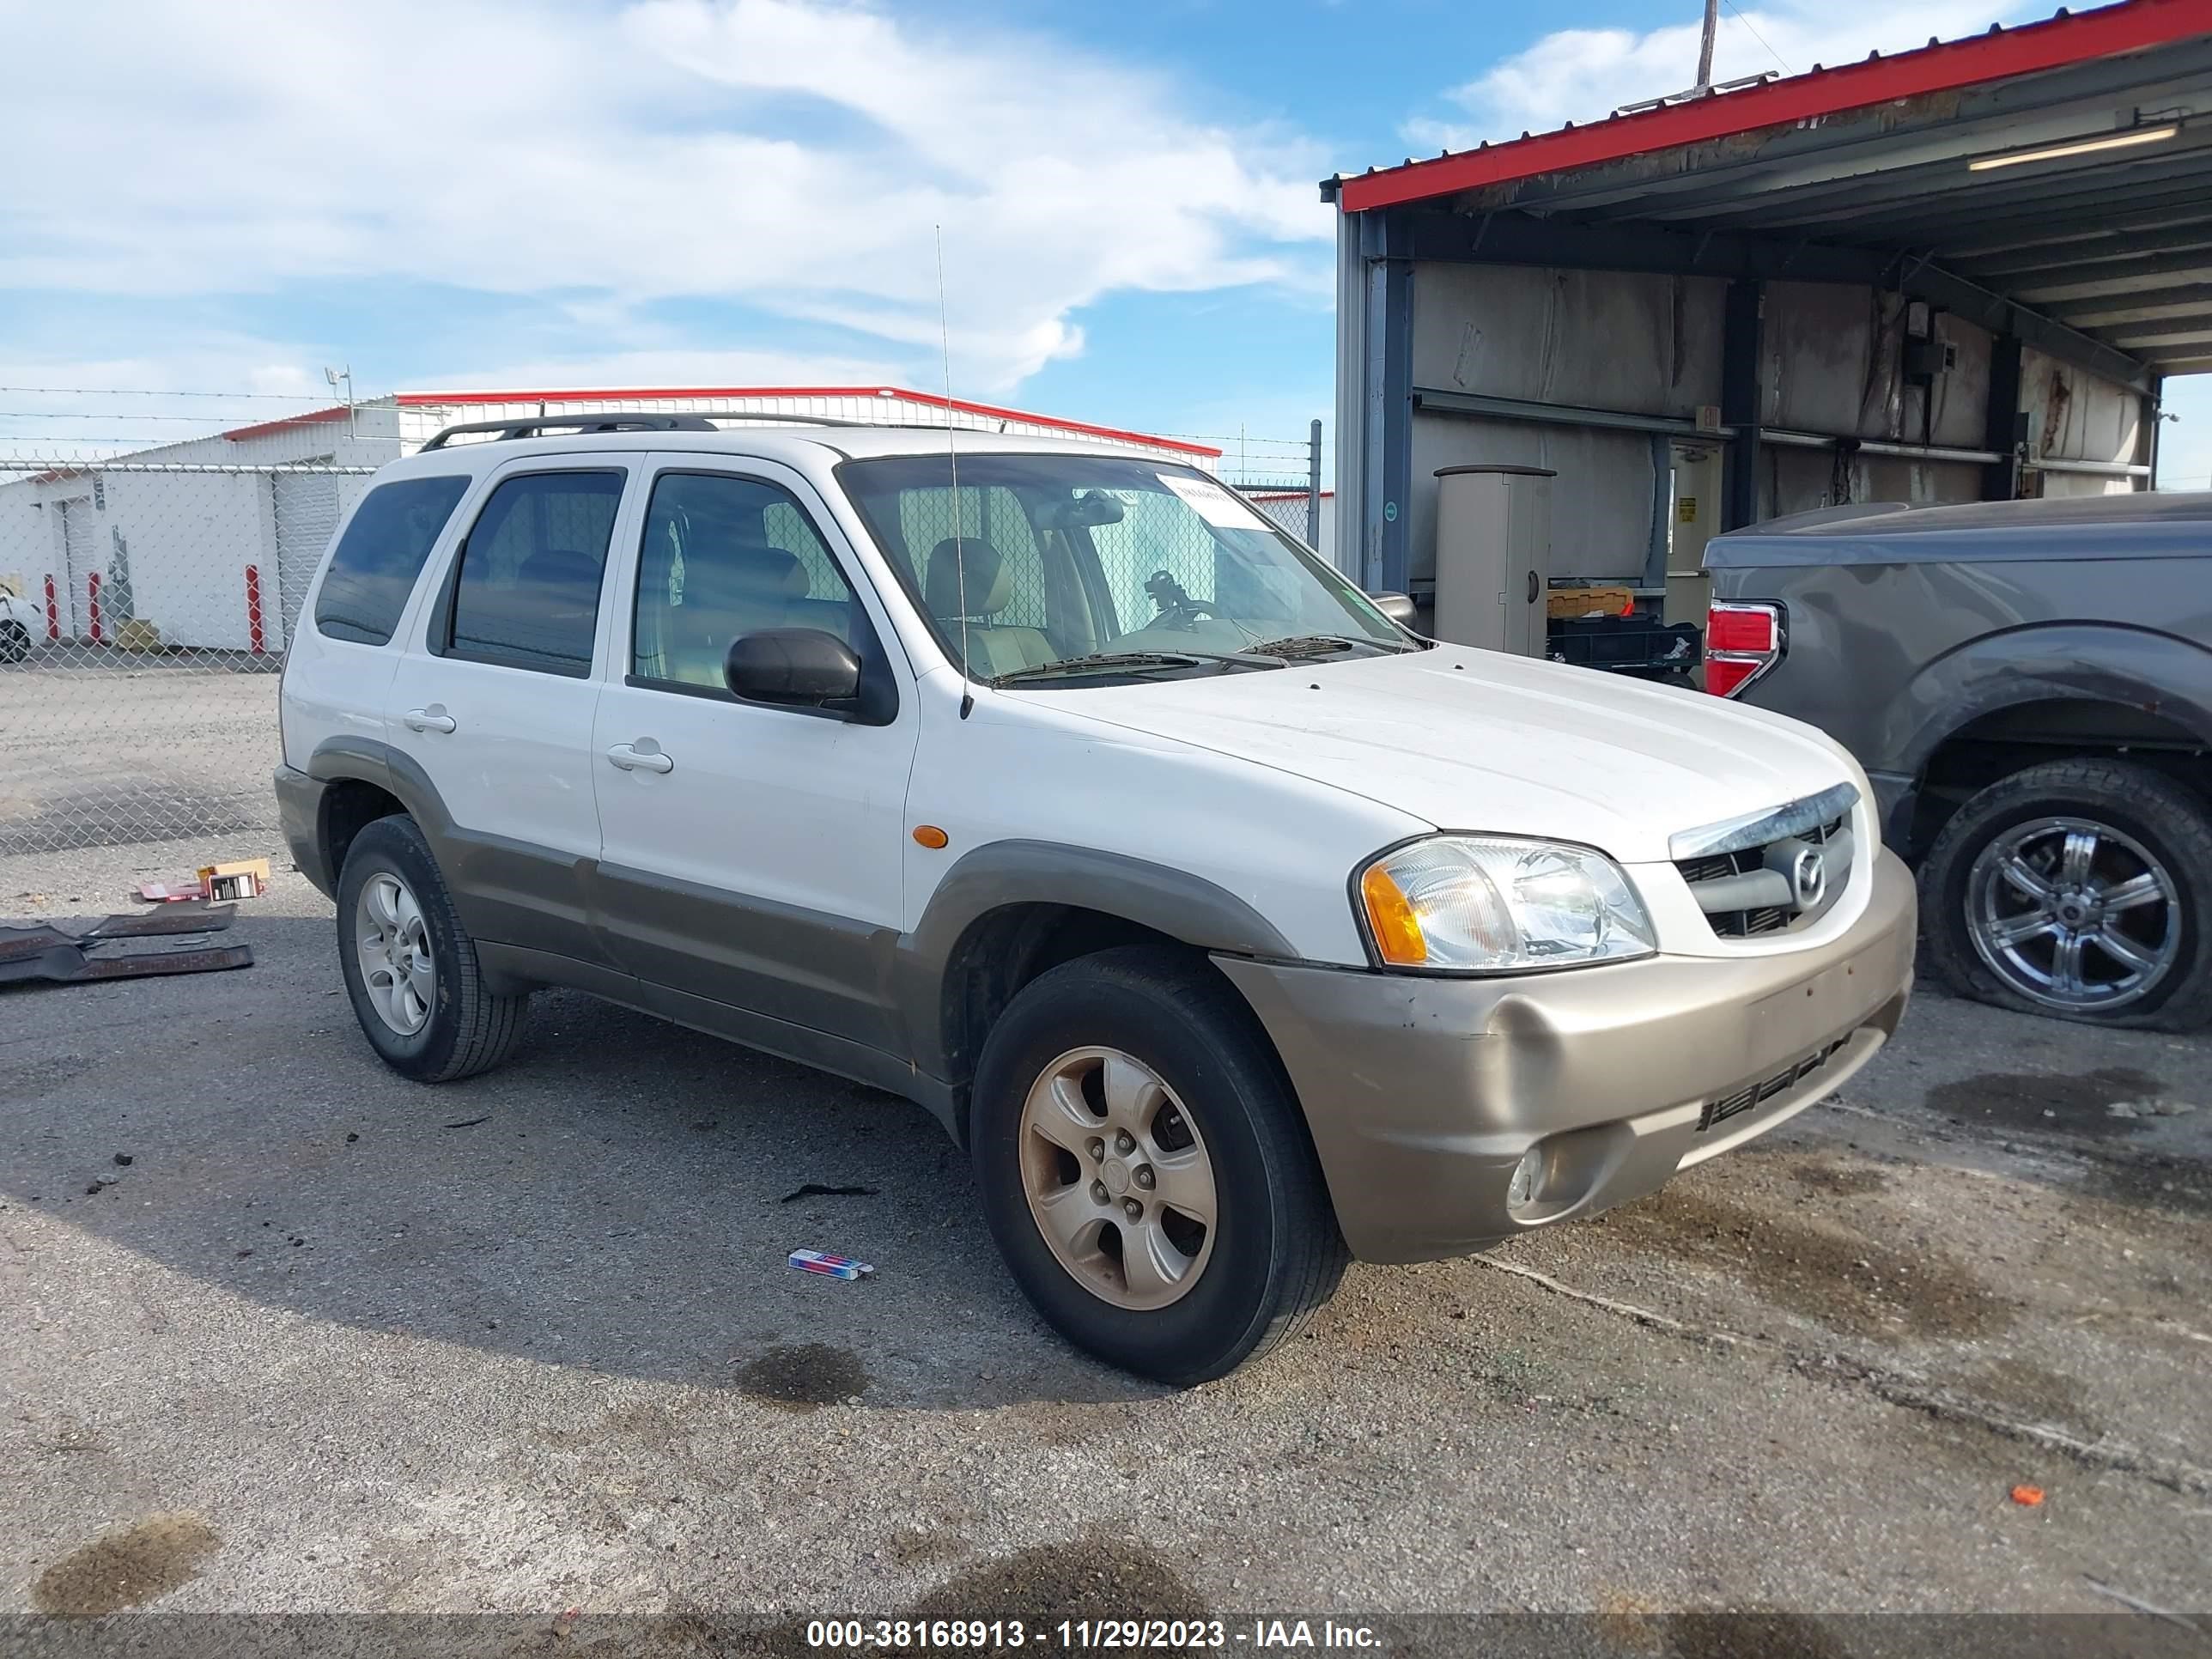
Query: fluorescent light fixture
x=2127 y=140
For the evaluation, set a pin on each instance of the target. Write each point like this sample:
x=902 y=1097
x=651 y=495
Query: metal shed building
x=1955 y=273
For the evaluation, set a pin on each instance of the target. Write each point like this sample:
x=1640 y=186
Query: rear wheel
x=14 y=641
x=1144 y=1169
x=2079 y=889
x=410 y=966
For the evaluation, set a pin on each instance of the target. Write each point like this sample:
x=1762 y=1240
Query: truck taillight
x=1743 y=640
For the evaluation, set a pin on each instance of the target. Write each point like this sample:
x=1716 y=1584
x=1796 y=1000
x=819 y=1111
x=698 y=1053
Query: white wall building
x=211 y=541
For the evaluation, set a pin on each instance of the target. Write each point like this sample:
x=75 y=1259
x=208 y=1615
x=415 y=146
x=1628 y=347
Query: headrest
x=565 y=565
x=721 y=570
x=990 y=578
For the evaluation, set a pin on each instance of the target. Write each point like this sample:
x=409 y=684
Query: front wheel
x=1146 y=1170
x=2081 y=889
x=14 y=641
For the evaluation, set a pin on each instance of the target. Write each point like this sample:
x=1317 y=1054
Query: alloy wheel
x=393 y=945
x=1118 y=1178
x=2073 y=913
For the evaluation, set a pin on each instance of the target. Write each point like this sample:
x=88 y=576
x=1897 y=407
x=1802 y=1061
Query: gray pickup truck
x=2029 y=687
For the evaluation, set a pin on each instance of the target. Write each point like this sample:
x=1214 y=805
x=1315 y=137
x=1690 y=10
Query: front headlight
x=1496 y=904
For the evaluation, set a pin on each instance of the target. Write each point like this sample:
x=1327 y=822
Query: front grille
x=1744 y=1099
x=1745 y=886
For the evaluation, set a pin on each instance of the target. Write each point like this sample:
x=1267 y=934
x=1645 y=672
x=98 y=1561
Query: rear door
x=494 y=698
x=752 y=855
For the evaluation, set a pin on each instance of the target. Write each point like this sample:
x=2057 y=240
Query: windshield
x=1067 y=567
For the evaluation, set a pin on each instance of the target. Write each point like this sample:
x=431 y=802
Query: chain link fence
x=144 y=612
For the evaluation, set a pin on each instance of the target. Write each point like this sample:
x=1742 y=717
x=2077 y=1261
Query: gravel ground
x=103 y=749
x=288 y=1333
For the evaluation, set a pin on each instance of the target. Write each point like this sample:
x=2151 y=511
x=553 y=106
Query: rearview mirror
x=804 y=667
x=1086 y=512
x=1398 y=607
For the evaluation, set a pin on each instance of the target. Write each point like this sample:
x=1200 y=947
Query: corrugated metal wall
x=1650 y=345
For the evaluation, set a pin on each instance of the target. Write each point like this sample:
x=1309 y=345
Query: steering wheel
x=1175 y=608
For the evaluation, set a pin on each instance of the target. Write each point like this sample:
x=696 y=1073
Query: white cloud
x=792 y=155
x=1581 y=74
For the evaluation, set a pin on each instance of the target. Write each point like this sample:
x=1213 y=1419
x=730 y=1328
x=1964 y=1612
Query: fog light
x=1522 y=1189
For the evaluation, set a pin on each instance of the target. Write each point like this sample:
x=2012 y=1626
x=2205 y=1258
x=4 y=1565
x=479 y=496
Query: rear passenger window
x=528 y=593
x=373 y=568
x=725 y=556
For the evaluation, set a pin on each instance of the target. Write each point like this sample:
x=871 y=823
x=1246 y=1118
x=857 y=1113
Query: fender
x=370 y=760
x=1154 y=896
x=2099 y=662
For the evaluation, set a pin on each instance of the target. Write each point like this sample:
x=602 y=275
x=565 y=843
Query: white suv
x=1230 y=925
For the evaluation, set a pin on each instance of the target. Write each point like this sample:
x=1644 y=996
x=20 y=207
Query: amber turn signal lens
x=1391 y=920
x=930 y=835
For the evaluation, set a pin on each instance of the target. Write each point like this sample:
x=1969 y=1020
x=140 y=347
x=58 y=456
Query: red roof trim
x=2135 y=26
x=263 y=429
x=992 y=411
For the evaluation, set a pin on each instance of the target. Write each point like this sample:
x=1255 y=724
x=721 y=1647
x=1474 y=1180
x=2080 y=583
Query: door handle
x=631 y=759
x=433 y=718
x=1532 y=587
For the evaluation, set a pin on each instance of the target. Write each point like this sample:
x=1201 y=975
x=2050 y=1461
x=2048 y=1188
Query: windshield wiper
x=1321 y=645
x=1110 y=662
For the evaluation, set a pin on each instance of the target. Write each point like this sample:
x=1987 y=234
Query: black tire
x=2160 y=816
x=1276 y=1252
x=469 y=1028
x=14 y=641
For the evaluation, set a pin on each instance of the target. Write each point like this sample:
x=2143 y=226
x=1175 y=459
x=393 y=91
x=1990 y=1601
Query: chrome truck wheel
x=2079 y=889
x=2073 y=913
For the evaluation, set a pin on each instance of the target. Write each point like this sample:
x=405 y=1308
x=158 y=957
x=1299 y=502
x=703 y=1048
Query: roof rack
x=620 y=421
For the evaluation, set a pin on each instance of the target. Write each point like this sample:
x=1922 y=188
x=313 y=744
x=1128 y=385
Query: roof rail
x=623 y=421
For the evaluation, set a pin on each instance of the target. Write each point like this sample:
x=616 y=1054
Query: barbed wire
x=152 y=391
x=102 y=415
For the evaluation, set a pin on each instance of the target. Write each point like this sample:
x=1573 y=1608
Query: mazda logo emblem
x=1808 y=878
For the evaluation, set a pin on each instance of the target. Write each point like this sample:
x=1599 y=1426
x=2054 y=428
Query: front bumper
x=1423 y=1094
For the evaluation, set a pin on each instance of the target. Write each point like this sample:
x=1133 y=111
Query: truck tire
x=14 y=641
x=2081 y=889
x=410 y=966
x=1144 y=1168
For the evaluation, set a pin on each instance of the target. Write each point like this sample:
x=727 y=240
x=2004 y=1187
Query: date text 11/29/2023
x=1145 y=1635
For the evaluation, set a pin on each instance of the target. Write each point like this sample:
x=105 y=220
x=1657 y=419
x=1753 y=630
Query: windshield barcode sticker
x=1212 y=502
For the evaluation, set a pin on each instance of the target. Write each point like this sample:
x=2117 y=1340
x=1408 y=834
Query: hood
x=1478 y=740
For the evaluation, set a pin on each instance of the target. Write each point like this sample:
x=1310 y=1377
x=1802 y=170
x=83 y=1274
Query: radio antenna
x=952 y=456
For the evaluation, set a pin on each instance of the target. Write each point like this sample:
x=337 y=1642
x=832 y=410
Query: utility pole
x=1705 y=45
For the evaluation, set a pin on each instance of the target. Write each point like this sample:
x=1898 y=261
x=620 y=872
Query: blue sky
x=444 y=192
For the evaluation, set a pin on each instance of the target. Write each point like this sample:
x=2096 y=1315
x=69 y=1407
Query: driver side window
x=724 y=556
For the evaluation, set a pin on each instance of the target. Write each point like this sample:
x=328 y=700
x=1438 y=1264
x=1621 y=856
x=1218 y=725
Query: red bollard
x=53 y=612
x=92 y=604
x=253 y=607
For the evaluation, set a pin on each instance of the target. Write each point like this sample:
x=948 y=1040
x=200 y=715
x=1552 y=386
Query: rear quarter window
x=376 y=562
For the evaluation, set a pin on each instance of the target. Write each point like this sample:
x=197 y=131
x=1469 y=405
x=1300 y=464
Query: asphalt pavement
x=288 y=1333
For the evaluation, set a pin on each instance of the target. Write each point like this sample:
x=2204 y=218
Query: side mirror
x=1398 y=607
x=804 y=667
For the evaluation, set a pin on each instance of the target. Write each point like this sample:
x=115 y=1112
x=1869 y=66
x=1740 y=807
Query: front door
x=493 y=701
x=752 y=853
